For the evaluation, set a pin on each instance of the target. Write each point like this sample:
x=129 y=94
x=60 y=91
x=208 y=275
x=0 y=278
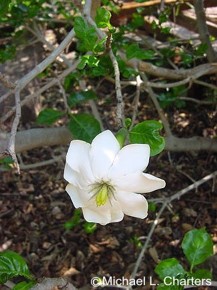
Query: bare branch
x=203 y=29
x=39 y=137
x=157 y=106
x=41 y=90
x=11 y=143
x=173 y=74
x=136 y=100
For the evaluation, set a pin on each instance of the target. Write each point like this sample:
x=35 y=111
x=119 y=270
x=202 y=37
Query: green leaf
x=197 y=246
x=134 y=51
x=169 y=287
x=89 y=60
x=152 y=206
x=48 y=116
x=147 y=132
x=121 y=136
x=86 y=34
x=170 y=268
x=103 y=17
x=74 y=221
x=4 y=6
x=84 y=127
x=24 y=285
x=89 y=228
x=12 y=265
x=79 y=97
x=202 y=274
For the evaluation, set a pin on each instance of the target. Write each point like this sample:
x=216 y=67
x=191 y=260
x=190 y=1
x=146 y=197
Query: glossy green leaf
x=24 y=285
x=84 y=127
x=79 y=97
x=86 y=34
x=103 y=17
x=170 y=268
x=12 y=265
x=89 y=60
x=197 y=246
x=148 y=132
x=48 y=116
x=134 y=51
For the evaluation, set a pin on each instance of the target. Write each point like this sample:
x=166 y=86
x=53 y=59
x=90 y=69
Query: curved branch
x=166 y=73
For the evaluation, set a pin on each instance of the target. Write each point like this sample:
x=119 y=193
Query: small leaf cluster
x=197 y=246
x=76 y=220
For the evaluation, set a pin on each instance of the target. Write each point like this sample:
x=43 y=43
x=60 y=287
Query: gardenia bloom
x=105 y=180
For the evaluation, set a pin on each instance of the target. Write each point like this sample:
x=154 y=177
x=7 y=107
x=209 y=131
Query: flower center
x=102 y=192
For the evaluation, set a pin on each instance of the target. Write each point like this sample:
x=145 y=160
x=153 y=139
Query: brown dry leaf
x=189 y=212
x=154 y=254
x=187 y=227
x=163 y=231
x=71 y=272
x=110 y=243
x=95 y=249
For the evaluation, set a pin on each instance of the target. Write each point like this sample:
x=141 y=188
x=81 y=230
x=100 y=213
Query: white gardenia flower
x=105 y=180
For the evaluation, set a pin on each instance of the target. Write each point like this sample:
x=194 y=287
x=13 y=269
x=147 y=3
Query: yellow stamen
x=102 y=195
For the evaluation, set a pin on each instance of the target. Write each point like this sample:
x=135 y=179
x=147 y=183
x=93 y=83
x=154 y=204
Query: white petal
x=97 y=215
x=130 y=159
x=133 y=204
x=78 y=159
x=108 y=213
x=139 y=182
x=116 y=212
x=78 y=196
x=73 y=177
x=103 y=150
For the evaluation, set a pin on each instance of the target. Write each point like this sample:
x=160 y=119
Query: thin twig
x=23 y=82
x=42 y=163
x=119 y=96
x=197 y=101
x=42 y=89
x=136 y=100
x=157 y=106
x=92 y=104
x=11 y=143
x=168 y=200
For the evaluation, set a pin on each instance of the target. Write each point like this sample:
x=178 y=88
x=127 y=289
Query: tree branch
x=172 y=74
x=203 y=29
x=40 y=137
